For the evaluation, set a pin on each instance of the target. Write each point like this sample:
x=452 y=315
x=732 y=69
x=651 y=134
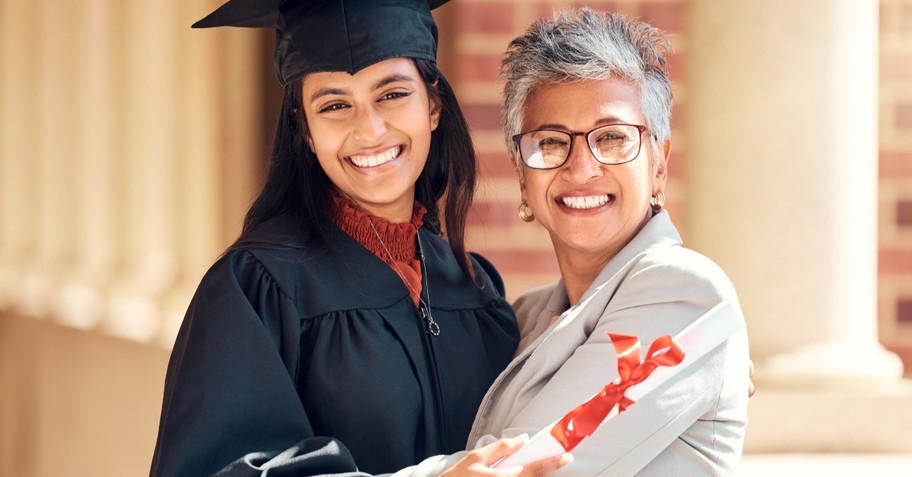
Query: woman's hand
x=479 y=461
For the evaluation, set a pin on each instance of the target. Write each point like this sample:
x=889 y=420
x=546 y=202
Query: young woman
x=341 y=332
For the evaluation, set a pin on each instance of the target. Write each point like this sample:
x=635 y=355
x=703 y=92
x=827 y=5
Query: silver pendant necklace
x=424 y=310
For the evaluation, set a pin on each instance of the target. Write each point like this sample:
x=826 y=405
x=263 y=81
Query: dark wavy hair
x=297 y=187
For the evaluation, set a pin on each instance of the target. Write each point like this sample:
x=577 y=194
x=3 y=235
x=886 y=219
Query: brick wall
x=895 y=219
x=476 y=32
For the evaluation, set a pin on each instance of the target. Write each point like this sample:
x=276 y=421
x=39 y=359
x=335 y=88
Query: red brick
x=492 y=213
x=887 y=12
x=481 y=67
x=677 y=66
x=493 y=17
x=895 y=164
x=904 y=213
x=905 y=19
x=676 y=163
x=496 y=165
x=482 y=116
x=604 y=5
x=904 y=310
x=669 y=17
x=884 y=15
x=546 y=9
x=894 y=261
x=903 y=115
x=677 y=117
x=524 y=261
x=896 y=67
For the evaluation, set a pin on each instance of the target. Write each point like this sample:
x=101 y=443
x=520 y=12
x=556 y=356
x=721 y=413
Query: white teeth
x=588 y=202
x=377 y=159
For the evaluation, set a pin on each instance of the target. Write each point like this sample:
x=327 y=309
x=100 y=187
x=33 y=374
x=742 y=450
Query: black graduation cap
x=335 y=35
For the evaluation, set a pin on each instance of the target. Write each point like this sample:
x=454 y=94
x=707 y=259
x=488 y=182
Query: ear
x=435 y=115
x=660 y=174
x=435 y=106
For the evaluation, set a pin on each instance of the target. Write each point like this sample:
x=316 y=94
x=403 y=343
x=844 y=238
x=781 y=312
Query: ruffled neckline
x=399 y=246
x=399 y=238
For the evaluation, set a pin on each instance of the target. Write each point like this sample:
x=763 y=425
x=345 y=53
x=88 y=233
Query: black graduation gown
x=281 y=345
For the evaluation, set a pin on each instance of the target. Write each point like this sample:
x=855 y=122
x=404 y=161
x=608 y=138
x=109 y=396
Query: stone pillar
x=81 y=302
x=18 y=135
x=51 y=192
x=130 y=146
x=149 y=176
x=781 y=190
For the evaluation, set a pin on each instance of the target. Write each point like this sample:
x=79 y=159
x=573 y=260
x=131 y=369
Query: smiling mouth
x=374 y=160
x=586 y=202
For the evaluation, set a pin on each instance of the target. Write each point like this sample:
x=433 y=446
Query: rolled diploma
x=698 y=339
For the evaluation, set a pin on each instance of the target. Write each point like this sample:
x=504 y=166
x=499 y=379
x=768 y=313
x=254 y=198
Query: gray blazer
x=691 y=426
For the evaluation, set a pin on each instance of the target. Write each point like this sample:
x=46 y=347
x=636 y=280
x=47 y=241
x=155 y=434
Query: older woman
x=587 y=110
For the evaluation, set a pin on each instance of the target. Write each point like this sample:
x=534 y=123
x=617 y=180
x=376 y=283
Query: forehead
x=580 y=104
x=366 y=77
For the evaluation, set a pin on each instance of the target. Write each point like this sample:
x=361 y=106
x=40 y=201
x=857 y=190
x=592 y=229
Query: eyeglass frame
x=573 y=134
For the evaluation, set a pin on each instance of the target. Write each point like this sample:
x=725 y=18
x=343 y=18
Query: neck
x=579 y=268
x=397 y=212
x=579 y=271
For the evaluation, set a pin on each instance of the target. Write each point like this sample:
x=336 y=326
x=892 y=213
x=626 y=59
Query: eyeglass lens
x=612 y=144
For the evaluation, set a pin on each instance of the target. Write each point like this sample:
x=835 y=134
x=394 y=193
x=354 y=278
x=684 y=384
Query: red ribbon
x=582 y=421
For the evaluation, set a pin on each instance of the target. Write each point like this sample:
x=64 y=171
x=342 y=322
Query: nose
x=369 y=125
x=581 y=166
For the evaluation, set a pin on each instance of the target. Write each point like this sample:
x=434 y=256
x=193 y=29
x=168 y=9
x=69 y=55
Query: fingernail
x=566 y=458
x=522 y=437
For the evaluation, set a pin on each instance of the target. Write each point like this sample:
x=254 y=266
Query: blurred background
x=130 y=147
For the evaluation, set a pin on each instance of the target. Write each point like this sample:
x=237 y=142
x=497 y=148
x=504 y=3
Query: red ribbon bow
x=582 y=421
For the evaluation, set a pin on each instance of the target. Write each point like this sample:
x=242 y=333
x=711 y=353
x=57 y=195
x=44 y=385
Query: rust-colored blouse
x=400 y=240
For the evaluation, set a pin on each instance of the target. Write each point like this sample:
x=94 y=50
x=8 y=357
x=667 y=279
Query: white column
x=150 y=193
x=781 y=180
x=18 y=137
x=782 y=177
x=81 y=300
x=51 y=152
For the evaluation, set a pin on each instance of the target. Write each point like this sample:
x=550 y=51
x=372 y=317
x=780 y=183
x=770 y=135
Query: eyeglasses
x=550 y=148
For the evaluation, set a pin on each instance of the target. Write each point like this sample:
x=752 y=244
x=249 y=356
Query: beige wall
x=76 y=403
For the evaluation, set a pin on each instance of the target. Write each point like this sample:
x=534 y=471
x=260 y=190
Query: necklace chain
x=424 y=310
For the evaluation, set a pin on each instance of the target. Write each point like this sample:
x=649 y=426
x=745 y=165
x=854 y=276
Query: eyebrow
x=392 y=79
x=600 y=122
x=328 y=91
x=344 y=91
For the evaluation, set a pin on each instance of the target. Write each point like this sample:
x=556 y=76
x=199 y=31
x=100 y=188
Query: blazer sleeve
x=694 y=424
x=230 y=405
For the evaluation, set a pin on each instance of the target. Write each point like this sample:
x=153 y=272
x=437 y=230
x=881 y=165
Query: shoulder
x=486 y=273
x=676 y=270
x=676 y=284
x=535 y=300
x=531 y=305
x=240 y=271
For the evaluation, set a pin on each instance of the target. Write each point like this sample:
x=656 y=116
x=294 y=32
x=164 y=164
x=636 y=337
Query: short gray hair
x=584 y=44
